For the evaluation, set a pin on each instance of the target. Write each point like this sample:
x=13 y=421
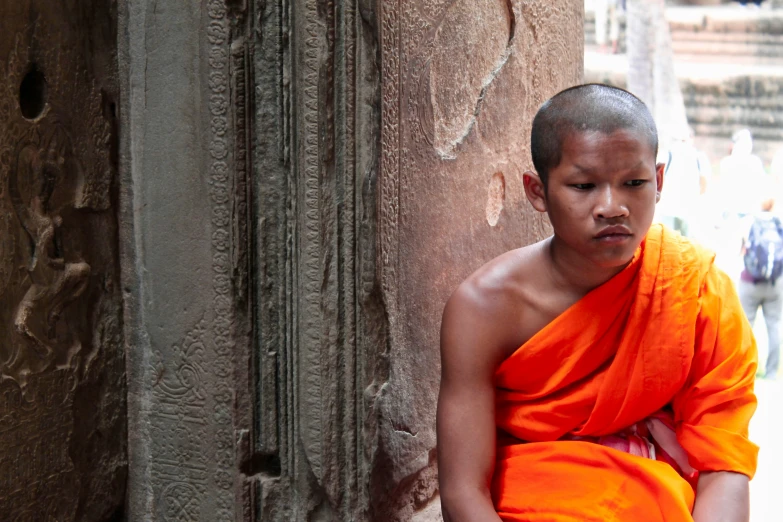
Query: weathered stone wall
x=62 y=387
x=304 y=184
x=462 y=81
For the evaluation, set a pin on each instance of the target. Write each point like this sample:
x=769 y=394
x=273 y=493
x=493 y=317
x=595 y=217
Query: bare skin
x=602 y=181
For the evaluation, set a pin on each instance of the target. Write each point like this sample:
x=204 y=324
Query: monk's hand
x=722 y=496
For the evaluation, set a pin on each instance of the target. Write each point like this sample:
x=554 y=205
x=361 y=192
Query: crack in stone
x=404 y=430
x=450 y=155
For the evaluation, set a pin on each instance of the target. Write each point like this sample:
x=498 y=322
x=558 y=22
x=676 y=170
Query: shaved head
x=585 y=108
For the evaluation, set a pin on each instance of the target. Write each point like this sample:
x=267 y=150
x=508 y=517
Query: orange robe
x=666 y=332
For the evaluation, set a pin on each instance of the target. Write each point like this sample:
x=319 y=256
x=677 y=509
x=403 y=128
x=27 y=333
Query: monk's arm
x=466 y=416
x=714 y=410
x=722 y=496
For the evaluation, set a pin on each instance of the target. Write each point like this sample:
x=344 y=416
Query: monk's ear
x=534 y=190
x=659 y=168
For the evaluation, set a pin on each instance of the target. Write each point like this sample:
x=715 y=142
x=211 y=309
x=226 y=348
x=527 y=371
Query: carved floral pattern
x=181 y=503
x=185 y=382
x=220 y=189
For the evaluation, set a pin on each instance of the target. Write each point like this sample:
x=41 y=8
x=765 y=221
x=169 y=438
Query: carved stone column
x=320 y=328
x=390 y=141
x=305 y=182
x=183 y=204
x=62 y=387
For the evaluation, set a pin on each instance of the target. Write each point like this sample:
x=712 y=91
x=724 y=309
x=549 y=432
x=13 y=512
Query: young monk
x=605 y=373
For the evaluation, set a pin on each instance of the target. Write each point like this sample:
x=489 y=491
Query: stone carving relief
x=44 y=182
x=46 y=165
x=222 y=306
x=313 y=370
x=315 y=345
x=188 y=421
x=179 y=428
x=39 y=480
x=7 y=243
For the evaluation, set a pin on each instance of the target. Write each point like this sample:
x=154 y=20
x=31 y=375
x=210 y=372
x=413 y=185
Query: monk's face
x=601 y=197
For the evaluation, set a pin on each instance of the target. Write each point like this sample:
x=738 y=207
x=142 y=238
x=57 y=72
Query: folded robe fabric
x=667 y=332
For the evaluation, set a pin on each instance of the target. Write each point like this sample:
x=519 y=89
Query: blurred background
x=712 y=73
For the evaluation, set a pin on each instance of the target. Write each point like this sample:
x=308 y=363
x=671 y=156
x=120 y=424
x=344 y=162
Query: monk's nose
x=609 y=205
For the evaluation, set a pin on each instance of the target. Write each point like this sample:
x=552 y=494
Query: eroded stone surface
x=496 y=198
x=471 y=45
x=62 y=389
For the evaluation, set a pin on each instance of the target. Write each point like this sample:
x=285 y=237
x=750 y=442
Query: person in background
x=686 y=173
x=760 y=285
x=734 y=194
x=742 y=175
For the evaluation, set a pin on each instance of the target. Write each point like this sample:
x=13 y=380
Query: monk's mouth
x=613 y=238
x=613 y=233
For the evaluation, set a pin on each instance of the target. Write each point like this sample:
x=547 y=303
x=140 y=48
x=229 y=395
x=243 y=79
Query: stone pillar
x=62 y=387
x=184 y=259
x=304 y=184
x=651 y=74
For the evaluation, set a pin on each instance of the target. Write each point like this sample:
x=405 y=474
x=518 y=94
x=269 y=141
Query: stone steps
x=715 y=34
x=716 y=108
x=716 y=47
x=718 y=100
x=730 y=64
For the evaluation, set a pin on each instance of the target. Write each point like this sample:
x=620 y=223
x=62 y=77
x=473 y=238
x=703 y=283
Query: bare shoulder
x=488 y=289
x=485 y=314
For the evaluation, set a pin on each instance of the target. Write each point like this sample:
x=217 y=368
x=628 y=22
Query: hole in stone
x=117 y=516
x=262 y=464
x=32 y=94
x=496 y=197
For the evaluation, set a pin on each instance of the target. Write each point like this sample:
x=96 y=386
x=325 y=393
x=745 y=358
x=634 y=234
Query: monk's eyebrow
x=636 y=167
x=588 y=170
x=582 y=169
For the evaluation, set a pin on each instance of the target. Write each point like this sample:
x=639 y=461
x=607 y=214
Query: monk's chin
x=616 y=260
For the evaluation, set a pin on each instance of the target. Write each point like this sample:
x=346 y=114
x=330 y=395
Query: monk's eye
x=636 y=182
x=583 y=186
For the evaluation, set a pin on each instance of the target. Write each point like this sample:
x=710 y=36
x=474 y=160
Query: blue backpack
x=764 y=253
